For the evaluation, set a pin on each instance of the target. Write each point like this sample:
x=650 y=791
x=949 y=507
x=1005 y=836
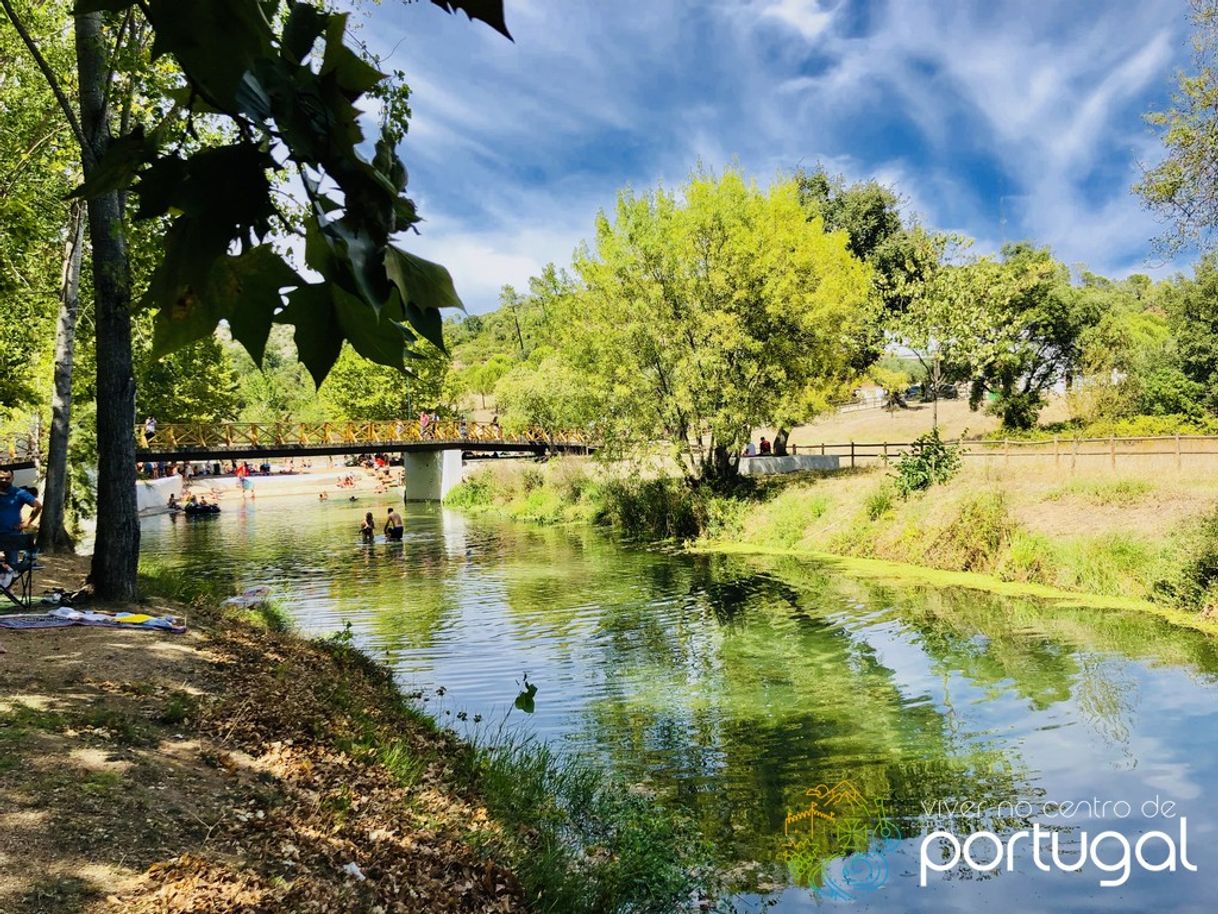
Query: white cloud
x=1005 y=120
x=805 y=16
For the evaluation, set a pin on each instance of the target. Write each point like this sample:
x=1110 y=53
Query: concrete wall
x=430 y=475
x=151 y=495
x=765 y=466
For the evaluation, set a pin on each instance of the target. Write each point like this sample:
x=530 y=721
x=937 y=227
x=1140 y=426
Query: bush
x=572 y=814
x=1030 y=559
x=1193 y=584
x=475 y=492
x=976 y=536
x=653 y=508
x=879 y=502
x=930 y=462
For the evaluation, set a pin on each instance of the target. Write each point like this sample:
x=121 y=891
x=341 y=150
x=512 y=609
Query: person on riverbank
x=766 y=448
x=13 y=501
x=245 y=481
x=394 y=526
x=367 y=530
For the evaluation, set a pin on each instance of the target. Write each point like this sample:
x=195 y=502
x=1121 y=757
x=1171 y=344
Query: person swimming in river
x=367 y=530
x=394 y=526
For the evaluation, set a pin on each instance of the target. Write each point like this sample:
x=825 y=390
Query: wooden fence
x=1165 y=451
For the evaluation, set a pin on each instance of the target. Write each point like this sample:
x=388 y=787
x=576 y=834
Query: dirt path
x=228 y=769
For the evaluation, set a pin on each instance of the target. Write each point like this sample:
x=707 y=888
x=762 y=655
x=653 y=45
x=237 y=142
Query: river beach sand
x=232 y=767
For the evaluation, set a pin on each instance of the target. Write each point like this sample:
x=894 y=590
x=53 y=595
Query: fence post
x=1006 y=452
x=1178 y=464
x=885 y=451
x=852 y=454
x=1057 y=457
x=822 y=449
x=1073 y=456
x=1112 y=451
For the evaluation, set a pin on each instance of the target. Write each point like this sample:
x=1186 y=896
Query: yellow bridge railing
x=239 y=435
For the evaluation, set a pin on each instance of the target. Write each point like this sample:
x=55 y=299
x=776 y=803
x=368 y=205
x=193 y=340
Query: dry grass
x=229 y=769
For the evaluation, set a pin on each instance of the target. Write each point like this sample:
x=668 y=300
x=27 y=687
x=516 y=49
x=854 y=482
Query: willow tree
x=708 y=313
x=283 y=84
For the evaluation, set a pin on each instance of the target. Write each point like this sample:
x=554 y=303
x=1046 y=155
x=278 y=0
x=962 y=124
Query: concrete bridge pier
x=430 y=475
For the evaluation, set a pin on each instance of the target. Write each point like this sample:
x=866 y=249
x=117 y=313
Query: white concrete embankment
x=766 y=466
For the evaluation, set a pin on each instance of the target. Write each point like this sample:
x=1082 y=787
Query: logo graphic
x=832 y=842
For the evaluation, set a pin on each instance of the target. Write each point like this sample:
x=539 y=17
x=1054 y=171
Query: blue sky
x=1002 y=120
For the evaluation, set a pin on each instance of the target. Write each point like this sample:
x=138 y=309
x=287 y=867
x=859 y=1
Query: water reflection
x=747 y=691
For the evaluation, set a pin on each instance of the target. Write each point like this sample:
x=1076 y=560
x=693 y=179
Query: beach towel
x=63 y=617
x=42 y=620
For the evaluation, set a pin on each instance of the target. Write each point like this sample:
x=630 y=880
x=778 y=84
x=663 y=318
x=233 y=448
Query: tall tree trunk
x=117 y=548
x=52 y=533
x=780 y=441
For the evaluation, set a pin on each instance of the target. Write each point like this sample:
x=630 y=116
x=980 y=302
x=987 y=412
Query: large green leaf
x=159 y=185
x=489 y=11
x=216 y=42
x=354 y=75
x=117 y=166
x=247 y=289
x=425 y=287
x=372 y=333
x=319 y=339
x=304 y=25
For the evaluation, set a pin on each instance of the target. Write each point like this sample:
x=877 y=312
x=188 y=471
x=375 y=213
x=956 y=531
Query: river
x=817 y=726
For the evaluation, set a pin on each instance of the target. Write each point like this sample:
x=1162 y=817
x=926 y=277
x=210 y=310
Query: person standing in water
x=367 y=530
x=393 y=526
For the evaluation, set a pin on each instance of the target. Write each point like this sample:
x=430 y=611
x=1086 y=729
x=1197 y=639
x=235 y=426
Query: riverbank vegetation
x=1116 y=536
x=243 y=767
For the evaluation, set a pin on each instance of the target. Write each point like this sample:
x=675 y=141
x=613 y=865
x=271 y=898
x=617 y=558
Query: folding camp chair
x=21 y=555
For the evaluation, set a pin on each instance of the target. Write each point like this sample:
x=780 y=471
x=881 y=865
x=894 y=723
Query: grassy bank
x=1130 y=538
x=244 y=768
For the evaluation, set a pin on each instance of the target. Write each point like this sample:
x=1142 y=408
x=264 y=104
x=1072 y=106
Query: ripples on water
x=732 y=687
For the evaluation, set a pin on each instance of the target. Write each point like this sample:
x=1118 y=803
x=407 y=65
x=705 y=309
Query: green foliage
x=1193 y=581
x=197 y=383
x=659 y=509
x=359 y=389
x=37 y=169
x=708 y=313
x=880 y=502
x=286 y=89
x=573 y=814
x=1183 y=188
x=551 y=395
x=1122 y=492
x=930 y=461
x=976 y=536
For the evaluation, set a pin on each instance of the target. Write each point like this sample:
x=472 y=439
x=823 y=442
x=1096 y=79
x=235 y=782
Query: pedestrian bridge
x=432 y=457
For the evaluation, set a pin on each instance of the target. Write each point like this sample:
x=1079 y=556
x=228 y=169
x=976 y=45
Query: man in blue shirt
x=12 y=501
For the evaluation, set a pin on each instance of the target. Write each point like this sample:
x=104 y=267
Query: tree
x=547 y=393
x=359 y=389
x=939 y=319
x=1183 y=188
x=1192 y=316
x=705 y=314
x=285 y=85
x=482 y=377
x=902 y=257
x=1032 y=332
x=197 y=383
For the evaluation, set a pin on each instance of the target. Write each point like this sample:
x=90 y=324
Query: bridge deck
x=322 y=439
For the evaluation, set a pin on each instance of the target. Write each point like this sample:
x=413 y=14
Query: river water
x=817 y=726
